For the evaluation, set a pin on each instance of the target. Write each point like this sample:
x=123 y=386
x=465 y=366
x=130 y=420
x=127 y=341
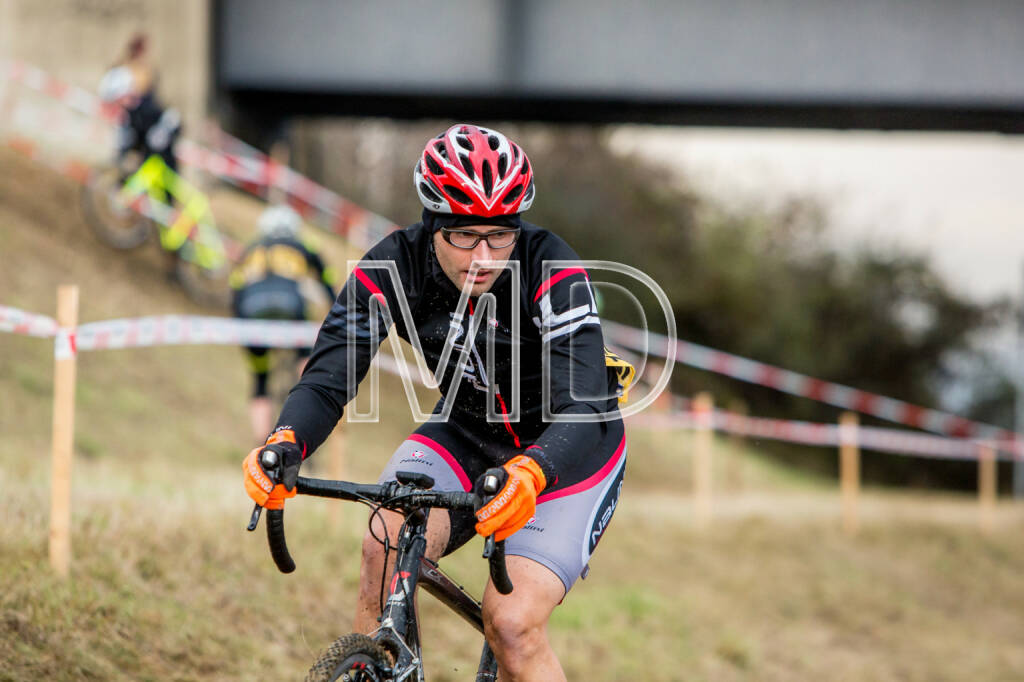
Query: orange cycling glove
x=515 y=502
x=260 y=485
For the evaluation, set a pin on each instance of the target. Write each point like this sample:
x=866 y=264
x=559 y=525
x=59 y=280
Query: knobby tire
x=118 y=227
x=356 y=655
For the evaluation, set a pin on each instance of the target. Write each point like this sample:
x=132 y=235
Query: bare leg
x=517 y=624
x=371 y=571
x=261 y=417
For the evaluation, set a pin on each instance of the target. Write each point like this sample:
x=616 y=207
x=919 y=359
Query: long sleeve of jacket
x=565 y=313
x=348 y=339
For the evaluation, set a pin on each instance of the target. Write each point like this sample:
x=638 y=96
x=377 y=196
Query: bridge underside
x=273 y=104
x=873 y=64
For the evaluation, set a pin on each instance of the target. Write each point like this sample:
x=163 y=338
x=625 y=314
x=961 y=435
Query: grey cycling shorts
x=569 y=521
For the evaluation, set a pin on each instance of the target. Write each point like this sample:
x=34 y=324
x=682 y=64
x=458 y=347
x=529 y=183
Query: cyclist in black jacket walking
x=561 y=457
x=270 y=283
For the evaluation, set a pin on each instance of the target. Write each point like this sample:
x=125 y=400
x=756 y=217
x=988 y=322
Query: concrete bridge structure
x=875 y=64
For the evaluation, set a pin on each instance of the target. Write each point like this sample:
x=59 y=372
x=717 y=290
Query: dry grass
x=166 y=584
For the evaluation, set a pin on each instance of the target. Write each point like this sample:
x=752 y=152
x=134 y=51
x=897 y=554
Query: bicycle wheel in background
x=115 y=223
x=355 y=658
x=205 y=285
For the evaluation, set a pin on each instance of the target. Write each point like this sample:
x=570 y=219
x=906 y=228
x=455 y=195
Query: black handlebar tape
x=499 y=573
x=275 y=537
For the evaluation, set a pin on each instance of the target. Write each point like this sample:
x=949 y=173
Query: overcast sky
x=957 y=197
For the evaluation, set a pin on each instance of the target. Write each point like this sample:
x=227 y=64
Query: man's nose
x=482 y=251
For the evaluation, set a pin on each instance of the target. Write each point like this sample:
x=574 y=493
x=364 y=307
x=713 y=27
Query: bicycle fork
x=399 y=624
x=399 y=628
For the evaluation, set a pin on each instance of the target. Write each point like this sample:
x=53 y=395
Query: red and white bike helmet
x=468 y=170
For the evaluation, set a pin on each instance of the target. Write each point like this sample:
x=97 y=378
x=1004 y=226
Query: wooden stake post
x=735 y=463
x=702 y=409
x=986 y=486
x=63 y=429
x=849 y=470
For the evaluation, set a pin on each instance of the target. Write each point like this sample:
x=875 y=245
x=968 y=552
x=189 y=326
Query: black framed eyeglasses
x=468 y=239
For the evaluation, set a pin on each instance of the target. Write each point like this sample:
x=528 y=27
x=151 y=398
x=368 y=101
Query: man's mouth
x=478 y=276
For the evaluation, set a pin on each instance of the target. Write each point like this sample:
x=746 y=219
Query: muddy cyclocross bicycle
x=127 y=204
x=393 y=652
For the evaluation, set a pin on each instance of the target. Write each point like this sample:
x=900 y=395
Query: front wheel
x=106 y=212
x=352 y=658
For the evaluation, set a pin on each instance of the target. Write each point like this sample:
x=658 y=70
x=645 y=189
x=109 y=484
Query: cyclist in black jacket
x=561 y=472
x=272 y=282
x=147 y=127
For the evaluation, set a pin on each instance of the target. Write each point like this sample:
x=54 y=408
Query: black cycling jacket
x=280 y=258
x=552 y=311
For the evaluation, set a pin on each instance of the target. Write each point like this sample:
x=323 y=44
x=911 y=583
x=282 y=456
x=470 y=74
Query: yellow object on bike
x=193 y=223
x=625 y=373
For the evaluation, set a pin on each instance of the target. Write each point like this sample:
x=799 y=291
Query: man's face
x=456 y=262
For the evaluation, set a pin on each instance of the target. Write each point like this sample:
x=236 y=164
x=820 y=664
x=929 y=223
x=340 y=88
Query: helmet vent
x=487 y=179
x=457 y=194
x=513 y=195
x=467 y=166
x=434 y=166
x=429 y=192
x=473 y=170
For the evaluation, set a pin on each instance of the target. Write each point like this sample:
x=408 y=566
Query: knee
x=373 y=550
x=515 y=635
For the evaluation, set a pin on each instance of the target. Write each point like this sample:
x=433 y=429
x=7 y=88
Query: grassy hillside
x=166 y=583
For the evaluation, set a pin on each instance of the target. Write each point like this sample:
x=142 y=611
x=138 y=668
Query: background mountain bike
x=392 y=653
x=128 y=204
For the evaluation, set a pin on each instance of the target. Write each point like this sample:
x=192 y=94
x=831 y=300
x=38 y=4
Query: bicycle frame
x=451 y=594
x=399 y=624
x=399 y=628
x=156 y=183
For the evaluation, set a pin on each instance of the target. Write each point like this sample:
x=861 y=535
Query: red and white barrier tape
x=829 y=435
x=164 y=330
x=762 y=374
x=65 y=344
x=257 y=174
x=18 y=321
x=167 y=330
x=251 y=169
x=171 y=330
x=76 y=98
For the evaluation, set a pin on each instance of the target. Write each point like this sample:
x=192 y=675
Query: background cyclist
x=561 y=479
x=147 y=127
x=279 y=277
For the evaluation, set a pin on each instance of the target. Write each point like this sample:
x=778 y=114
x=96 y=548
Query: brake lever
x=488 y=546
x=489 y=488
x=254 y=520
x=268 y=460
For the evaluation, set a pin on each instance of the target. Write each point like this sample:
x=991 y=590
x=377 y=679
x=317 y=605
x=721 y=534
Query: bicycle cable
x=405 y=593
x=386 y=543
